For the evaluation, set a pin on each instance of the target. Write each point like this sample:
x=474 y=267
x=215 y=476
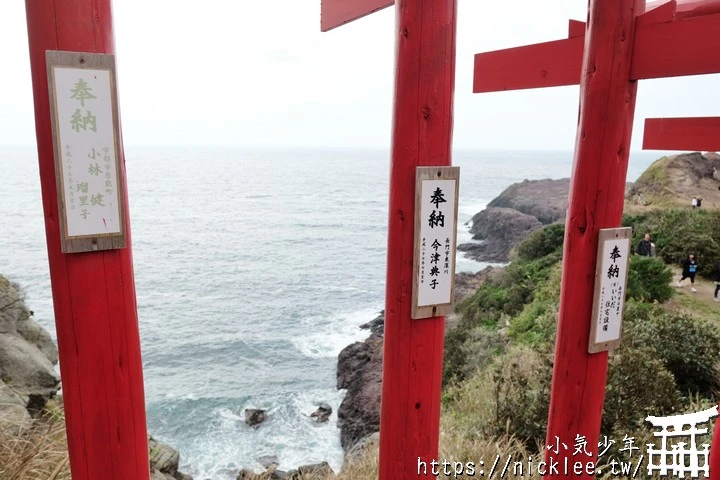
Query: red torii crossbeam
x=334 y=13
x=93 y=292
x=621 y=45
x=422 y=136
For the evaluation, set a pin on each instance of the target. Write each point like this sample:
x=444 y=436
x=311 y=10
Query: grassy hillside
x=673 y=181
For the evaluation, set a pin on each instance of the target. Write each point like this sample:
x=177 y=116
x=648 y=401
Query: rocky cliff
x=518 y=211
x=28 y=380
x=359 y=370
x=27 y=358
x=674 y=180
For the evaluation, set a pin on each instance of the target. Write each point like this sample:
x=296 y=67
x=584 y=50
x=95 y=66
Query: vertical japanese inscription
x=83 y=104
x=435 y=229
x=611 y=281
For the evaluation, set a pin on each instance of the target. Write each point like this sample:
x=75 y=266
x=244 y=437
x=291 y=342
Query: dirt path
x=705 y=288
x=700 y=303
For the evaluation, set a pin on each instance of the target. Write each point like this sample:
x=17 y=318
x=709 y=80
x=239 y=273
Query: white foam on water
x=331 y=333
x=289 y=433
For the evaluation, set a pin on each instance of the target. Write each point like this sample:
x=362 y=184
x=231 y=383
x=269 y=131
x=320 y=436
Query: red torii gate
x=93 y=292
x=422 y=136
x=622 y=43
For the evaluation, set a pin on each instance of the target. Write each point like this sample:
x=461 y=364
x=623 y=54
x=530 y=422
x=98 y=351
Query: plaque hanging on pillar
x=611 y=273
x=436 y=206
x=84 y=116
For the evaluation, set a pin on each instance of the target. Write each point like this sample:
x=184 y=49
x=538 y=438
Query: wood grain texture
x=334 y=13
x=439 y=173
x=665 y=45
x=88 y=243
x=549 y=64
x=606 y=234
x=695 y=134
x=93 y=293
x=686 y=46
x=422 y=136
x=597 y=190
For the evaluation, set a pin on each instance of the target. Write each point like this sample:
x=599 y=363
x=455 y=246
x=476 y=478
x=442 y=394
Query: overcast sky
x=260 y=73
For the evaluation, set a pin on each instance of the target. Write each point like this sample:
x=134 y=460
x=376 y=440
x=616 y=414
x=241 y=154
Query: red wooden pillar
x=597 y=191
x=422 y=136
x=715 y=452
x=93 y=293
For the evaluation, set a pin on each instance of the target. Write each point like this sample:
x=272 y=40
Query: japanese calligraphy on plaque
x=83 y=111
x=436 y=205
x=610 y=284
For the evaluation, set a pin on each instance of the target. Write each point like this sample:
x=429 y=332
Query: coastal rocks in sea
x=318 y=470
x=359 y=370
x=377 y=325
x=254 y=416
x=500 y=229
x=518 y=211
x=322 y=414
x=544 y=199
x=164 y=462
x=268 y=461
x=27 y=354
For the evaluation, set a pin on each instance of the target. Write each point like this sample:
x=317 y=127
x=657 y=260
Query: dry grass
x=38 y=453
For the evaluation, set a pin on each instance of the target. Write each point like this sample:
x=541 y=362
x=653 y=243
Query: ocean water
x=254 y=268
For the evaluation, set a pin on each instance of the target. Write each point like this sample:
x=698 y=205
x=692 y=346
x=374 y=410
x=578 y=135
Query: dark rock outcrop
x=500 y=230
x=268 y=461
x=322 y=414
x=518 y=211
x=360 y=372
x=544 y=199
x=254 y=416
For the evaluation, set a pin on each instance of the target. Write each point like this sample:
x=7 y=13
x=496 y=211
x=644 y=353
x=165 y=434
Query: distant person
x=690 y=266
x=645 y=247
x=694 y=202
x=699 y=202
x=716 y=277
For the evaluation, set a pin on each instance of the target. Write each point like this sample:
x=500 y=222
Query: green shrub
x=629 y=399
x=537 y=323
x=679 y=232
x=687 y=346
x=469 y=351
x=499 y=299
x=521 y=382
x=541 y=243
x=649 y=280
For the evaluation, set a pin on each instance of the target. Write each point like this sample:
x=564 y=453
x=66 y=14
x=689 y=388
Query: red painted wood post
x=93 y=293
x=715 y=452
x=422 y=136
x=597 y=191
